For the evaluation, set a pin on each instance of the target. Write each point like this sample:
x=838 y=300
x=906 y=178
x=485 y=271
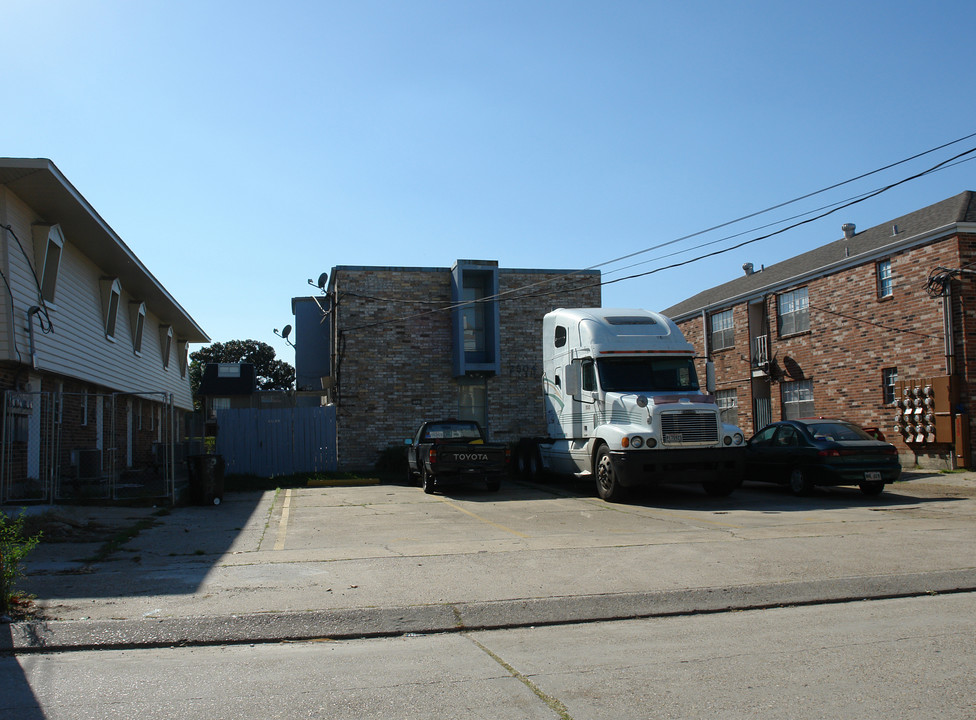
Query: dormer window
x=111 y=296
x=138 y=312
x=182 y=356
x=166 y=343
x=48 y=247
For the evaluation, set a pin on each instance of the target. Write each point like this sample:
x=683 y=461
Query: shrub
x=14 y=547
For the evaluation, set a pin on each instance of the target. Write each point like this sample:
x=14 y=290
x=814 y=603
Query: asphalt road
x=896 y=659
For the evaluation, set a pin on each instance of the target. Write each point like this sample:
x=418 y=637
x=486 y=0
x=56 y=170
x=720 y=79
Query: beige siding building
x=93 y=349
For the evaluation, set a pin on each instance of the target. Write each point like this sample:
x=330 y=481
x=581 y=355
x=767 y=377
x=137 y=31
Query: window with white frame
x=797 y=399
x=889 y=376
x=793 y=312
x=182 y=355
x=728 y=405
x=111 y=296
x=166 y=343
x=48 y=248
x=723 y=331
x=885 y=285
x=138 y=311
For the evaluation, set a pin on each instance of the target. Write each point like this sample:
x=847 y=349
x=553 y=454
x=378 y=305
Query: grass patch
x=120 y=538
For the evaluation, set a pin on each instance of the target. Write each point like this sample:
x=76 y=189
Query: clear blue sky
x=240 y=147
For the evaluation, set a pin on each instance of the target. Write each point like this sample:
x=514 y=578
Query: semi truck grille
x=689 y=428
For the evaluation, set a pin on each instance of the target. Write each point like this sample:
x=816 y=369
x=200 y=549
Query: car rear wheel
x=872 y=488
x=800 y=482
x=608 y=484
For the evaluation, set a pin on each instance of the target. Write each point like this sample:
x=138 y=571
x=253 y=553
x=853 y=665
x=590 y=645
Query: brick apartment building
x=877 y=327
x=93 y=350
x=407 y=344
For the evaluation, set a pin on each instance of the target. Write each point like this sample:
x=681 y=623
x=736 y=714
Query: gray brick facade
x=393 y=345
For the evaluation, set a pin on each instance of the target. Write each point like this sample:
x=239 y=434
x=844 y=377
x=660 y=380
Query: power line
x=830 y=209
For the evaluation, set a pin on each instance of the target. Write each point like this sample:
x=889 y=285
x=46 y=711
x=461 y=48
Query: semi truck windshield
x=644 y=374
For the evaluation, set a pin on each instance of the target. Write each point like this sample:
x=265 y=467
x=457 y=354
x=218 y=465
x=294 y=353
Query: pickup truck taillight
x=432 y=456
x=508 y=455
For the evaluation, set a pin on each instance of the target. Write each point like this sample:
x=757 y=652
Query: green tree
x=271 y=373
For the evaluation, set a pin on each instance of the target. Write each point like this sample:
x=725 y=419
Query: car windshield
x=837 y=431
x=452 y=431
x=645 y=374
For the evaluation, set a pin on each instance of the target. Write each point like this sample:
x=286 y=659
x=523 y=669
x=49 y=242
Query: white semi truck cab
x=623 y=405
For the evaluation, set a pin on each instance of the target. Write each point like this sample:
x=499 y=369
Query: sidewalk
x=388 y=560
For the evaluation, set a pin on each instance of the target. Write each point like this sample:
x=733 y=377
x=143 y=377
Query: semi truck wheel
x=608 y=484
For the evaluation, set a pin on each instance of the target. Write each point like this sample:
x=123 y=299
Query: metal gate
x=280 y=441
x=30 y=438
x=762 y=412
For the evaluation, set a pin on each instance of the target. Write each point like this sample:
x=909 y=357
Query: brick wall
x=78 y=427
x=393 y=375
x=854 y=335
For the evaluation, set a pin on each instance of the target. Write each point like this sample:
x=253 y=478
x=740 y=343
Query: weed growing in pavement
x=15 y=545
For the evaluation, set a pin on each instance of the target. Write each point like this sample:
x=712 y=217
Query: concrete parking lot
x=342 y=561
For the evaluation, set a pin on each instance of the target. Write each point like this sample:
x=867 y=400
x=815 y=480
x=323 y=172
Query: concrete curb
x=57 y=636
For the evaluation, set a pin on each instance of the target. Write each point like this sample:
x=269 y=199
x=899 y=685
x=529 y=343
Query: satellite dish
x=286 y=331
x=323 y=279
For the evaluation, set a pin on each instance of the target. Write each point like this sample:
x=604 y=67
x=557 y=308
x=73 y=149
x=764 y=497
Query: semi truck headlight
x=637 y=442
x=737 y=439
x=651 y=442
x=727 y=440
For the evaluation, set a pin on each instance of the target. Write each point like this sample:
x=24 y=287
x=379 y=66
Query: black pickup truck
x=446 y=451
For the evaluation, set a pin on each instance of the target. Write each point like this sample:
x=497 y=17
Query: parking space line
x=283 y=523
x=478 y=517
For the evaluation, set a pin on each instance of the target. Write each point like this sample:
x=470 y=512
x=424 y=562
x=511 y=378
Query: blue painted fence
x=285 y=441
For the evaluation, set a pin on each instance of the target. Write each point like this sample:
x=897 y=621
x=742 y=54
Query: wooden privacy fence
x=280 y=441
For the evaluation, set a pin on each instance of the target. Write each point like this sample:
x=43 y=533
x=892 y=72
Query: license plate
x=872 y=476
x=673 y=437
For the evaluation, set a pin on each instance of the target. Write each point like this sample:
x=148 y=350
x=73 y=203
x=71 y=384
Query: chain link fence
x=76 y=447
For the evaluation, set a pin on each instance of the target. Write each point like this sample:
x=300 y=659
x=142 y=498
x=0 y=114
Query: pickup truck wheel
x=426 y=481
x=608 y=485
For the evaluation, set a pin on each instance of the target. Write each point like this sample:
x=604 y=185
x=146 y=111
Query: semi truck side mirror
x=710 y=377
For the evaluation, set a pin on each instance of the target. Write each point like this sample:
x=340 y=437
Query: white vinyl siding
x=78 y=347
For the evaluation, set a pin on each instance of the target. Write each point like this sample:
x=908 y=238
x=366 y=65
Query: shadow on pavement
x=17 y=699
x=752 y=495
x=143 y=551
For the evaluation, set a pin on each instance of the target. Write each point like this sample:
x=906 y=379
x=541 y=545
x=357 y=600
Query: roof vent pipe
x=748 y=268
x=848 y=229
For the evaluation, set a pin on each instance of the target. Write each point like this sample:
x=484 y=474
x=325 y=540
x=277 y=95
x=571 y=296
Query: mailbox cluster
x=924 y=409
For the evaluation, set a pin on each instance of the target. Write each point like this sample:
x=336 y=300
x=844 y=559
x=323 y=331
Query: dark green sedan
x=816 y=451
